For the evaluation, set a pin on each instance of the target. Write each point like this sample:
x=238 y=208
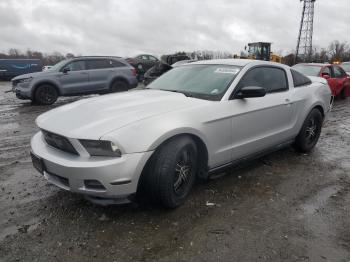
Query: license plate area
x=37 y=163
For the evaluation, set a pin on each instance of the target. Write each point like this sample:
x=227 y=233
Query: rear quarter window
x=116 y=63
x=299 y=79
x=99 y=64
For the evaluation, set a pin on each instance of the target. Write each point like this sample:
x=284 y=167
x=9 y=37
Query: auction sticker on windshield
x=223 y=70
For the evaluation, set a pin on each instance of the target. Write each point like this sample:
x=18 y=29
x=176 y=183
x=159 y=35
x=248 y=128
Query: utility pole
x=304 y=45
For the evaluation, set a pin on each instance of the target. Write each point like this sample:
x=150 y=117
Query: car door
x=263 y=122
x=74 y=77
x=153 y=60
x=339 y=79
x=328 y=73
x=100 y=71
x=147 y=63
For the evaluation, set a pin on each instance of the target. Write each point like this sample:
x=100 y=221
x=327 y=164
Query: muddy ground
x=283 y=207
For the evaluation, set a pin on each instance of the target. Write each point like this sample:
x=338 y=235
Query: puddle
x=319 y=200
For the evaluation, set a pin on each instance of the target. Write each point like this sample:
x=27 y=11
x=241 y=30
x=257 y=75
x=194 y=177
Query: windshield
x=308 y=70
x=346 y=67
x=58 y=66
x=201 y=81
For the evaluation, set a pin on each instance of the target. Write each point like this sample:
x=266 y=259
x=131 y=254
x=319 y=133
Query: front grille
x=59 y=142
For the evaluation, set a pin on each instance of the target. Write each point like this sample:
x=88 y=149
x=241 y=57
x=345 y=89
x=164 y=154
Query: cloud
x=94 y=27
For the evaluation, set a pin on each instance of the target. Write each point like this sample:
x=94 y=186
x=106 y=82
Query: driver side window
x=76 y=66
x=273 y=79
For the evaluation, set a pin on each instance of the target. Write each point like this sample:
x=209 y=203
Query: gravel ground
x=283 y=207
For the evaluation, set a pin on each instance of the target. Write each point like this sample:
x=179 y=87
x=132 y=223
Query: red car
x=337 y=78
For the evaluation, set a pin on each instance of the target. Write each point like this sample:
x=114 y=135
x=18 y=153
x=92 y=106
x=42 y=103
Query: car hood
x=36 y=74
x=94 y=117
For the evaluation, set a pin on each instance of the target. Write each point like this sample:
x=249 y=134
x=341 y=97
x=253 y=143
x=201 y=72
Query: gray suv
x=77 y=76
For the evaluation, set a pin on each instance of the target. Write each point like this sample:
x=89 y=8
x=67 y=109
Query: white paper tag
x=223 y=70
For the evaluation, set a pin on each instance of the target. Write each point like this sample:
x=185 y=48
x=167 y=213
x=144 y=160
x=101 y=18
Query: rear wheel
x=310 y=132
x=119 y=86
x=45 y=95
x=172 y=172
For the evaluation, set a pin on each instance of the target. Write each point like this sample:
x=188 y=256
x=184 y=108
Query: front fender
x=148 y=135
x=46 y=81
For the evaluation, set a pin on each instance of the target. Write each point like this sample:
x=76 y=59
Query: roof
x=314 y=64
x=235 y=62
x=77 y=57
x=257 y=43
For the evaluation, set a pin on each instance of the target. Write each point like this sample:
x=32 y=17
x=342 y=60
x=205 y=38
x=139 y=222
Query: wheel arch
x=45 y=83
x=203 y=156
x=116 y=78
x=319 y=107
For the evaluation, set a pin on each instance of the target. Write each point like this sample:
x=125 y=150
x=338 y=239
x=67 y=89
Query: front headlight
x=101 y=148
x=25 y=80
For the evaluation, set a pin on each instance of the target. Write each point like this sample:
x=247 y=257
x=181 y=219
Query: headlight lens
x=101 y=148
x=25 y=80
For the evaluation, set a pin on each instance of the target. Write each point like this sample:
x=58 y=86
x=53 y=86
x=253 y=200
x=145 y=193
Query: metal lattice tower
x=304 y=46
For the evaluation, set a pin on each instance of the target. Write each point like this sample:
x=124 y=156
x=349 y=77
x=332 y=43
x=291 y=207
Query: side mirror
x=326 y=76
x=251 y=91
x=66 y=70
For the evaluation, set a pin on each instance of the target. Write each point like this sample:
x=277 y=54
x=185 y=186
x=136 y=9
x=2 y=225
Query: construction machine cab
x=259 y=51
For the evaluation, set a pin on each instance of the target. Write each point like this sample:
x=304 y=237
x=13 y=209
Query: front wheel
x=172 y=173
x=45 y=95
x=310 y=132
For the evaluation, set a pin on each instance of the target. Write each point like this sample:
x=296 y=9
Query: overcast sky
x=129 y=27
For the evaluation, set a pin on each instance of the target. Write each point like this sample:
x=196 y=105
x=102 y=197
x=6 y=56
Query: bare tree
x=337 y=51
x=14 y=53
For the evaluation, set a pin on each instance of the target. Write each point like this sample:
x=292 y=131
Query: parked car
x=142 y=63
x=334 y=74
x=188 y=124
x=346 y=67
x=76 y=76
x=10 y=68
x=164 y=65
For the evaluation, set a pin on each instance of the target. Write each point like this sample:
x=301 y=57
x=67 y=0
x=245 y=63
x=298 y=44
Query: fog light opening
x=94 y=184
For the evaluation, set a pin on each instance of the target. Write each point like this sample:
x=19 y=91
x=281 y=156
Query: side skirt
x=216 y=171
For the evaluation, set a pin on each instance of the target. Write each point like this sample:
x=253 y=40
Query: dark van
x=10 y=68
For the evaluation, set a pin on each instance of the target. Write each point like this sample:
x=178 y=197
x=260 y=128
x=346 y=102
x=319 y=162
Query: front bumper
x=119 y=176
x=22 y=90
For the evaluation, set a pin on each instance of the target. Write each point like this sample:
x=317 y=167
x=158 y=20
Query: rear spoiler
x=321 y=80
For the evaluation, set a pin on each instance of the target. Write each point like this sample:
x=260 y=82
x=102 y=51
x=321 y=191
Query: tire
x=45 y=95
x=119 y=86
x=172 y=172
x=310 y=132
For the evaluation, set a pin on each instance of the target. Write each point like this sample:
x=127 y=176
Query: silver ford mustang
x=188 y=124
